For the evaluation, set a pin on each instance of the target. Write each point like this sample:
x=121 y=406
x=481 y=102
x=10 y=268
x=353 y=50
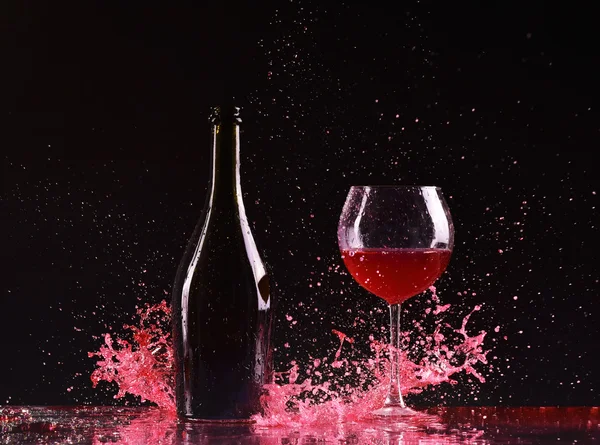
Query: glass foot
x=394 y=412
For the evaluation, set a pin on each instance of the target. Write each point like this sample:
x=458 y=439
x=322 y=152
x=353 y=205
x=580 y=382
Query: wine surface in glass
x=396 y=274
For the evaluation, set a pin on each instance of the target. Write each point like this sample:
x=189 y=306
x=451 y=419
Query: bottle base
x=218 y=421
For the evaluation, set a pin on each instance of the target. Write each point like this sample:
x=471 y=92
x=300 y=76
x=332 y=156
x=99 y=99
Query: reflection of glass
x=487 y=425
x=395 y=241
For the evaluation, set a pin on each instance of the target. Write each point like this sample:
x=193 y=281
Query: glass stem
x=394 y=397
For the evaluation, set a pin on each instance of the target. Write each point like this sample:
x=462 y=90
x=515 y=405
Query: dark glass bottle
x=221 y=299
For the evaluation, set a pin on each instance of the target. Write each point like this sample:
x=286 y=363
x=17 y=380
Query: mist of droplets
x=335 y=110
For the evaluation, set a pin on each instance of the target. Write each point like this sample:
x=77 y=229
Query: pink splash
x=288 y=402
x=338 y=390
x=143 y=366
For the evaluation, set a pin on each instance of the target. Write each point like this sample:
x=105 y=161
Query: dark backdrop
x=104 y=138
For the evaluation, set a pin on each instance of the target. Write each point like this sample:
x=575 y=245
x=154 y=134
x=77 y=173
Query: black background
x=104 y=139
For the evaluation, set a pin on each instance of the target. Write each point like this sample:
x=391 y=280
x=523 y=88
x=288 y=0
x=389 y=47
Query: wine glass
x=395 y=241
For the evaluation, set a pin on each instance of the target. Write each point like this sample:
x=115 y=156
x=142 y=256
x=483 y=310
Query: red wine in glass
x=396 y=241
x=396 y=274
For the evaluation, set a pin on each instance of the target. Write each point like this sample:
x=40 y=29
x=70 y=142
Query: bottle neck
x=225 y=158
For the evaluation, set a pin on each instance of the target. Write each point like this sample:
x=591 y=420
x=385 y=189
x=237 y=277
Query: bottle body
x=221 y=299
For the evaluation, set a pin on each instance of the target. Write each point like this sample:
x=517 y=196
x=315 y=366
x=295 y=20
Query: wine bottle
x=221 y=298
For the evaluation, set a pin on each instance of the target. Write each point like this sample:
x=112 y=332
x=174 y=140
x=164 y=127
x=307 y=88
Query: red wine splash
x=337 y=389
x=142 y=366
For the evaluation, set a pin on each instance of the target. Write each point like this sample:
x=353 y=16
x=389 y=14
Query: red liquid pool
x=451 y=425
x=396 y=274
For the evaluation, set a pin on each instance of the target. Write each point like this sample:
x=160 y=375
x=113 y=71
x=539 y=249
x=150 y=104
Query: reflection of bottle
x=221 y=300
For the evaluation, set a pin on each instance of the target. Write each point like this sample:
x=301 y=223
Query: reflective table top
x=449 y=425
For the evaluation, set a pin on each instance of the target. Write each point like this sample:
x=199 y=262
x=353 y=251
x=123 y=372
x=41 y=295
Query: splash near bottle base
x=141 y=363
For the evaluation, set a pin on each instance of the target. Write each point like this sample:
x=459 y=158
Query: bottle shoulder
x=223 y=234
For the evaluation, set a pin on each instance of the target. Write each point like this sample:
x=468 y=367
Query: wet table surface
x=477 y=425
